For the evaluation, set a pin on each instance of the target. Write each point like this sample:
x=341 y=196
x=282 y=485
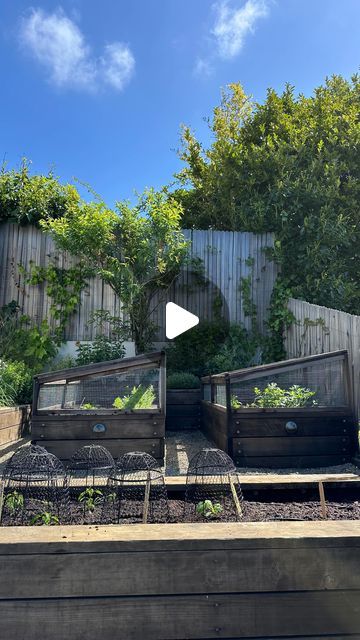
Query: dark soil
x=262 y=506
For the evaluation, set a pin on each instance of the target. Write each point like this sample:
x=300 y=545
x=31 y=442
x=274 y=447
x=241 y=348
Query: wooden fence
x=227 y=257
x=318 y=330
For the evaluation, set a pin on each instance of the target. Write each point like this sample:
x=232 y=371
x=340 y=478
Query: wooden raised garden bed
x=171 y=582
x=182 y=409
x=13 y=423
x=74 y=407
x=320 y=434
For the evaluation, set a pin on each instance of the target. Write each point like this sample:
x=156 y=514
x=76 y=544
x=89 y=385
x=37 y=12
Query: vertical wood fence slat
x=224 y=255
x=318 y=330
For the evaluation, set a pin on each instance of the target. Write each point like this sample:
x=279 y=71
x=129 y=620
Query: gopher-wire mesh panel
x=35 y=488
x=136 y=491
x=213 y=490
x=88 y=472
x=120 y=390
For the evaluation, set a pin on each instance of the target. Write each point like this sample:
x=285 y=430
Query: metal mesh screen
x=207 y=392
x=135 y=388
x=220 y=394
x=213 y=491
x=324 y=379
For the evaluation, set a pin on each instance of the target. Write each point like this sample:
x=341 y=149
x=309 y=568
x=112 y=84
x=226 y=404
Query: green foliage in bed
x=140 y=397
x=274 y=396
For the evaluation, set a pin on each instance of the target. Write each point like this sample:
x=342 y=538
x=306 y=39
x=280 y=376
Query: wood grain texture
x=64 y=449
x=174 y=618
x=319 y=329
x=224 y=254
x=124 y=427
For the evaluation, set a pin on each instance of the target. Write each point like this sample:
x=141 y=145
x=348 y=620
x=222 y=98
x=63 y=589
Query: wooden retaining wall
x=177 y=582
x=226 y=256
x=13 y=423
x=320 y=329
x=182 y=409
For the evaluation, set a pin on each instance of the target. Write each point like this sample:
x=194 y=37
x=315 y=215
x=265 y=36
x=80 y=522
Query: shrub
x=182 y=380
x=140 y=397
x=100 y=350
x=192 y=350
x=238 y=350
x=15 y=383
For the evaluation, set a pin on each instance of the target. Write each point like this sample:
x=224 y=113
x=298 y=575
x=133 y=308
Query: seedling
x=45 y=518
x=208 y=509
x=14 y=501
x=90 y=497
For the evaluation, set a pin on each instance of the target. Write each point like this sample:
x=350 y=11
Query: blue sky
x=98 y=90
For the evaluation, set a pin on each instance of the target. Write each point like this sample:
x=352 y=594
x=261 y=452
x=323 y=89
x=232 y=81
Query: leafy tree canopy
x=26 y=198
x=137 y=250
x=292 y=166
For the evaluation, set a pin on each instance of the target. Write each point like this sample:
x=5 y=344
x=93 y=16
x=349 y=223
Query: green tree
x=292 y=166
x=138 y=251
x=26 y=198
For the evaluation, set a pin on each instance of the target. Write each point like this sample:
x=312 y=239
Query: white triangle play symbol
x=178 y=320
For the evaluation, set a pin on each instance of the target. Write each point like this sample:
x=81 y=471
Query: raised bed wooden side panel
x=260 y=438
x=214 y=424
x=170 y=582
x=63 y=435
x=13 y=423
x=182 y=409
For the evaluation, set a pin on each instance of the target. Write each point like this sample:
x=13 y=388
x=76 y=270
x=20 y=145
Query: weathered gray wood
x=224 y=254
x=262 y=426
x=64 y=449
x=319 y=329
x=289 y=462
x=214 y=424
x=179 y=617
x=293 y=446
x=80 y=428
x=193 y=572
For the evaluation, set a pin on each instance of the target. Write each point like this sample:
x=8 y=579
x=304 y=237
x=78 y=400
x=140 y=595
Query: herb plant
x=91 y=497
x=46 y=518
x=140 y=397
x=14 y=501
x=209 y=509
x=274 y=396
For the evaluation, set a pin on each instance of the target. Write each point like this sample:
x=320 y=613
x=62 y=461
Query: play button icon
x=178 y=320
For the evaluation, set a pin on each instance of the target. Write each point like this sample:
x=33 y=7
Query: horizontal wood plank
x=289 y=462
x=175 y=618
x=293 y=445
x=192 y=572
x=267 y=426
x=64 y=449
x=124 y=428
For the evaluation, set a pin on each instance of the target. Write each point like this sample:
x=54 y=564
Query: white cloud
x=59 y=45
x=118 y=65
x=203 y=67
x=233 y=25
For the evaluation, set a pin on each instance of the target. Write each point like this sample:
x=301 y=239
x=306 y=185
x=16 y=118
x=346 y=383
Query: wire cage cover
x=35 y=488
x=213 y=490
x=88 y=473
x=293 y=413
x=136 y=491
x=120 y=402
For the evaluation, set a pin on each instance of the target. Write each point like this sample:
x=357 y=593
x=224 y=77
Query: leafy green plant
x=138 y=251
x=14 y=501
x=88 y=406
x=46 y=518
x=235 y=402
x=182 y=380
x=108 y=344
x=16 y=381
x=209 y=509
x=140 y=397
x=274 y=396
x=91 y=497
